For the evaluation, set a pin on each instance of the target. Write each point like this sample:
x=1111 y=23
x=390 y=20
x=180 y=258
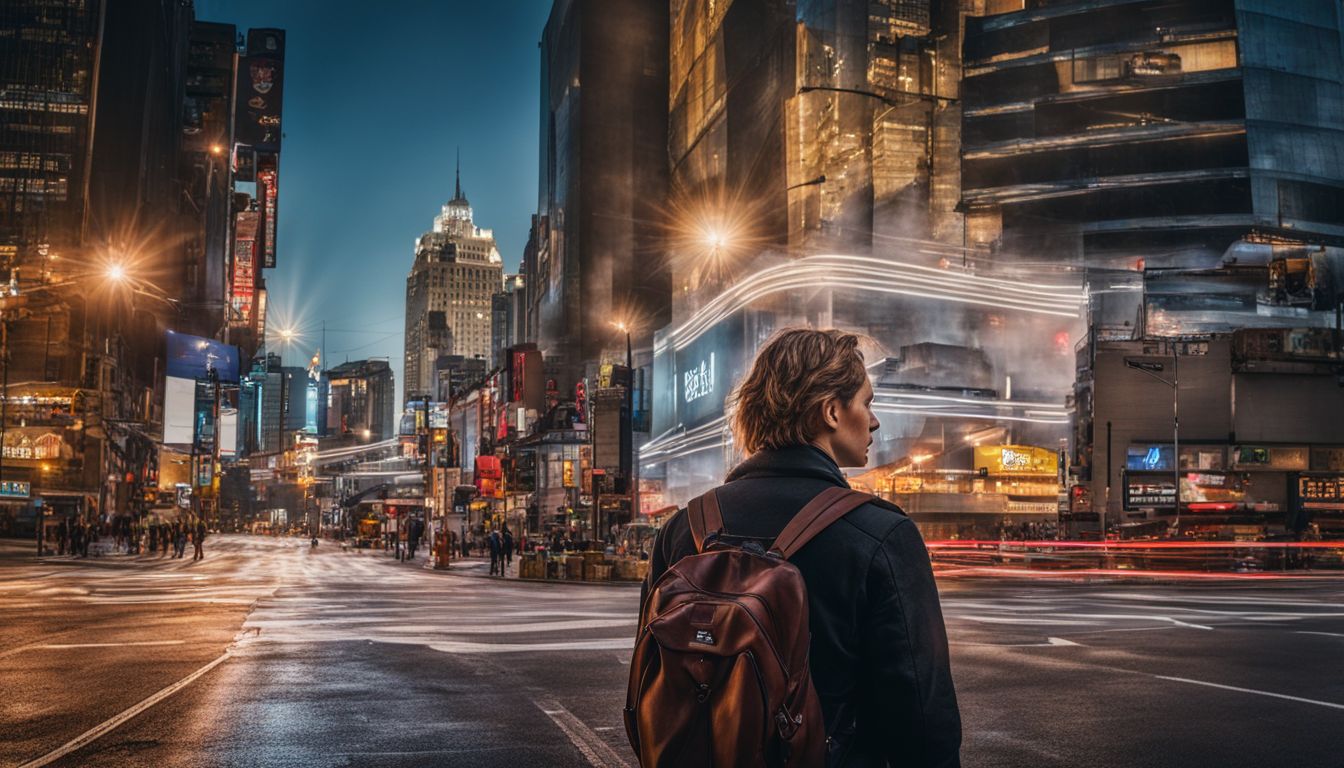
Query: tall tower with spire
x=457 y=269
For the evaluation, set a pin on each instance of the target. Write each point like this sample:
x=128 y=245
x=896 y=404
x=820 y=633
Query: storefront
x=1316 y=504
x=1008 y=491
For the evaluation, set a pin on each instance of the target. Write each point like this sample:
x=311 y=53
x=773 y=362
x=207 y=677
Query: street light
x=1153 y=369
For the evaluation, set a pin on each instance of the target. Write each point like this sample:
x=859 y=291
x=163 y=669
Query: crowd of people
x=73 y=535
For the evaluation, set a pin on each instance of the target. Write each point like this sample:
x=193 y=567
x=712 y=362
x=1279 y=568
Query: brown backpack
x=720 y=671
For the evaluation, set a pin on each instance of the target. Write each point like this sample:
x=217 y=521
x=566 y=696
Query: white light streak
x=876 y=275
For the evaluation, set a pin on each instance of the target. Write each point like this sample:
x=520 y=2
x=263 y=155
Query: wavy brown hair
x=798 y=369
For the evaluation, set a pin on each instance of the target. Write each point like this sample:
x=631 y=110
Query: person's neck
x=823 y=444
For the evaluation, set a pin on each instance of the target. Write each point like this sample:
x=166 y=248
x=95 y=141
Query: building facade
x=107 y=195
x=814 y=150
x=508 y=310
x=1188 y=159
x=457 y=272
x=361 y=400
x=595 y=254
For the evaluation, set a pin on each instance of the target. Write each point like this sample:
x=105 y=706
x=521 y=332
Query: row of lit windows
x=41 y=106
x=33 y=161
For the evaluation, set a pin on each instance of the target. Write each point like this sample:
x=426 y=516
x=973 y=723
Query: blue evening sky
x=377 y=99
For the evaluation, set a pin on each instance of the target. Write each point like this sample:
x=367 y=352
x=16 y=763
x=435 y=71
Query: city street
x=269 y=653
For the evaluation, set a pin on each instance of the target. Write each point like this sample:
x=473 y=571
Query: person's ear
x=830 y=412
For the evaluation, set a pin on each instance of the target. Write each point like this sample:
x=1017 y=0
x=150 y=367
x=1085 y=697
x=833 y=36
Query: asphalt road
x=271 y=654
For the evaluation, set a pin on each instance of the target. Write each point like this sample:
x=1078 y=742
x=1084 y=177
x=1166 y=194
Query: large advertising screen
x=268 y=194
x=260 y=90
x=705 y=371
x=243 y=287
x=192 y=359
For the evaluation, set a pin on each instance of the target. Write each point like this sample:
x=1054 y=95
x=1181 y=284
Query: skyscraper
x=457 y=270
x=596 y=250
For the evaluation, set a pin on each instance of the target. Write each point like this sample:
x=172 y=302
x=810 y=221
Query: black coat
x=879 y=656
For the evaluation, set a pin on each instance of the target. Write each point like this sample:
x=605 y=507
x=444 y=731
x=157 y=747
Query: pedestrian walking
x=198 y=541
x=492 y=541
x=507 y=547
x=416 y=530
x=466 y=545
x=873 y=652
x=76 y=537
x=62 y=535
x=179 y=539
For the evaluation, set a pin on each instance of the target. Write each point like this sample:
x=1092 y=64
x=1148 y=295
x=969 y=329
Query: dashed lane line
x=593 y=748
x=107 y=726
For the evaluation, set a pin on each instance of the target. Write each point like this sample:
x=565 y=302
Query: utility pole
x=1152 y=369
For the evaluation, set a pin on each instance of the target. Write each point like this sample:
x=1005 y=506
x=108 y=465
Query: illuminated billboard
x=691 y=383
x=192 y=359
x=1016 y=459
x=268 y=195
x=260 y=89
x=242 y=289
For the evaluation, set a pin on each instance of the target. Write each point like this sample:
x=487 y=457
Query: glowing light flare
x=709 y=229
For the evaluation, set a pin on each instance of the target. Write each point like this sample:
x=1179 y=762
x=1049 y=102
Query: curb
x=565 y=582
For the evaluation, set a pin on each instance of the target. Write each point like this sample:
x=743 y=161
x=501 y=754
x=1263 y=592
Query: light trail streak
x=882 y=394
x=712 y=434
x=962 y=414
x=881 y=276
x=826 y=277
x=1074 y=574
x=1128 y=545
x=340 y=454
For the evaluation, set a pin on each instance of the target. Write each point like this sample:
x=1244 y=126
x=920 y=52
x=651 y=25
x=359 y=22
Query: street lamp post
x=1152 y=369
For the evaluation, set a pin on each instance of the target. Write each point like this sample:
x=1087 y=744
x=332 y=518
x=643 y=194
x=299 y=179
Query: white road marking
x=1050 y=642
x=609 y=644
x=94 y=733
x=1138 y=616
x=1329 y=704
x=112 y=645
x=1023 y=620
x=1326 y=634
x=581 y=736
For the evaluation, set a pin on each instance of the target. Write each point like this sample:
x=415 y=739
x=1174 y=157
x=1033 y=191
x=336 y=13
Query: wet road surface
x=270 y=653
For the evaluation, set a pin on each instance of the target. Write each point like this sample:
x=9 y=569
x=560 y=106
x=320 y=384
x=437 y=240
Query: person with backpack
x=786 y=619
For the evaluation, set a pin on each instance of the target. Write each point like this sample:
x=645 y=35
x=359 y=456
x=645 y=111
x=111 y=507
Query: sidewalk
x=478 y=567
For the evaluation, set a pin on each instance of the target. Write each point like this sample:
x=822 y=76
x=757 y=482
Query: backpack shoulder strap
x=703 y=513
x=825 y=508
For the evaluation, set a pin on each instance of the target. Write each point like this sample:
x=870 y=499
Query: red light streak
x=983 y=544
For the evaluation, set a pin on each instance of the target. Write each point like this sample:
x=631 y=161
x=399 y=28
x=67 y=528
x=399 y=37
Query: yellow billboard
x=1016 y=460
